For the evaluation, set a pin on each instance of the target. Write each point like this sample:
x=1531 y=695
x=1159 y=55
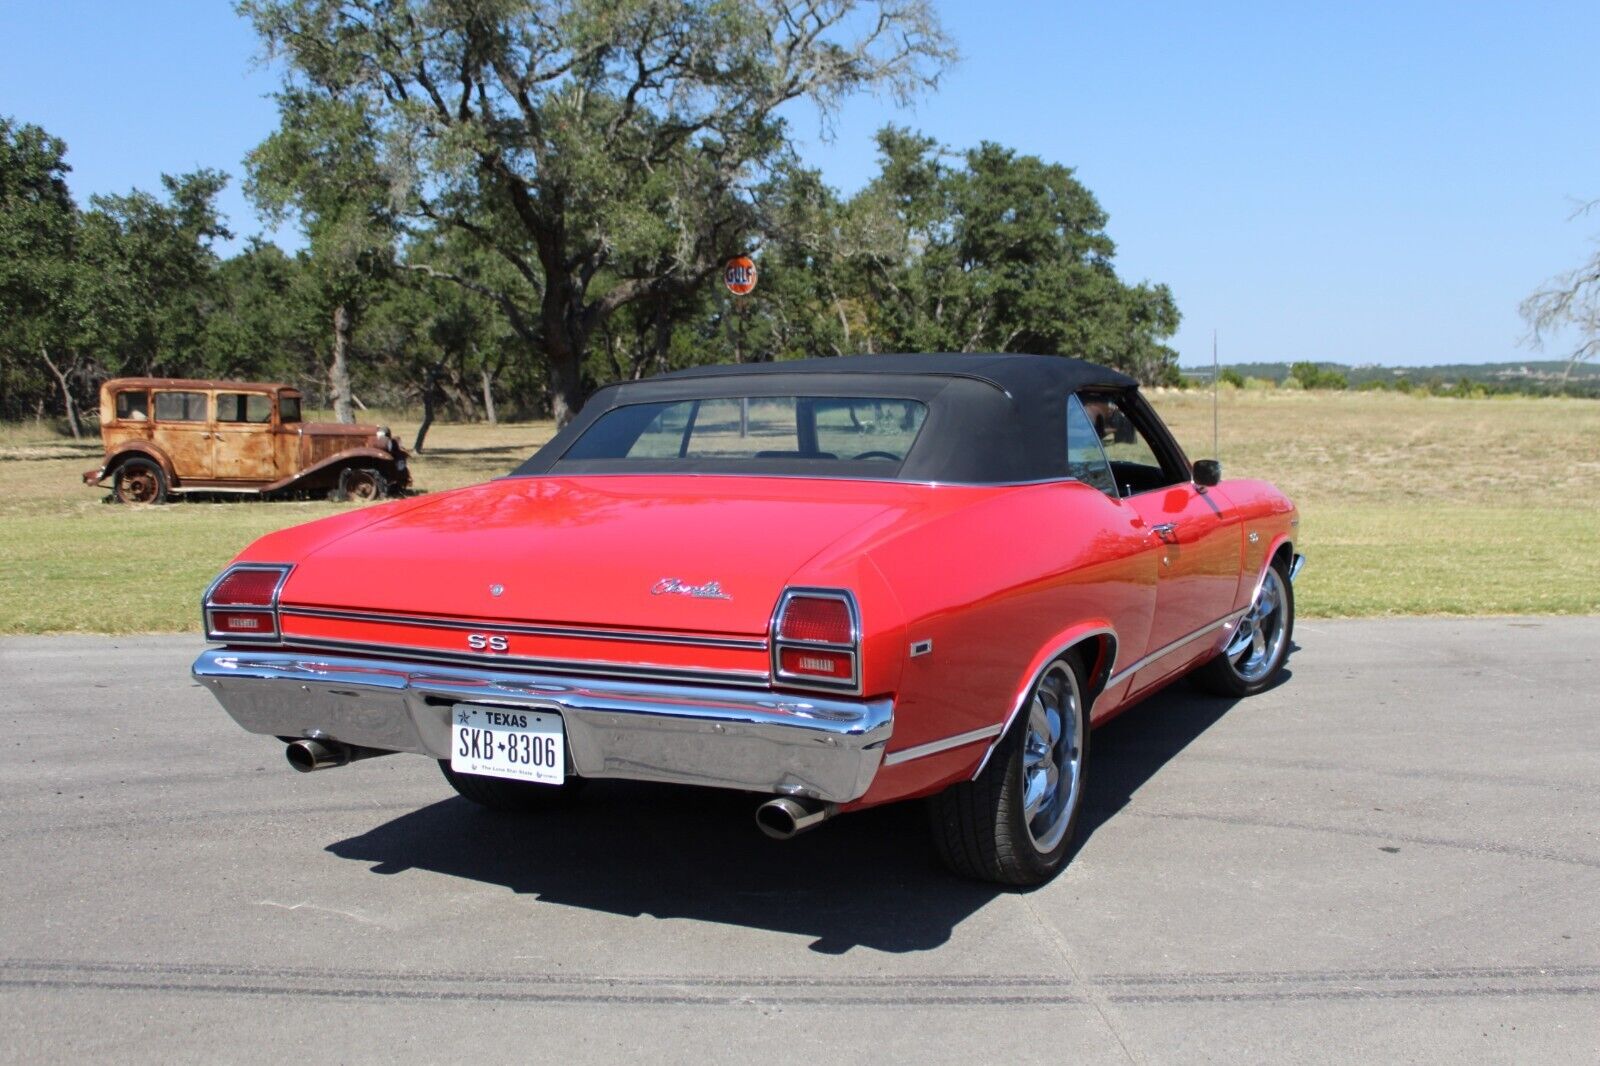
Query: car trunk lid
x=676 y=553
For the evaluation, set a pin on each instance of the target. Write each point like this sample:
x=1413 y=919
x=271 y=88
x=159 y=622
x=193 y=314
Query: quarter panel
x=994 y=585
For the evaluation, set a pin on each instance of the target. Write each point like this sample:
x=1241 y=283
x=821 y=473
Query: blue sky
x=1353 y=182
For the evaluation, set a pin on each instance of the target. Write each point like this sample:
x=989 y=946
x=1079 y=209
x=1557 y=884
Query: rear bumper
x=757 y=741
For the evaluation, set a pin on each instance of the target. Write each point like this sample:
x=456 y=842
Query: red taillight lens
x=250 y=588
x=809 y=662
x=816 y=620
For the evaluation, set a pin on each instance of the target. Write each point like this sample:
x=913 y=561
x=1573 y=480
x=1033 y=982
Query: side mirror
x=1207 y=472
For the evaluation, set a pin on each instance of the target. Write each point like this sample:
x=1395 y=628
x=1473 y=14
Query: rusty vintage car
x=176 y=435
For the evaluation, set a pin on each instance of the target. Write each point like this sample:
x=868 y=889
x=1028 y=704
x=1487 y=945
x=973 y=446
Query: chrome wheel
x=1257 y=645
x=1052 y=756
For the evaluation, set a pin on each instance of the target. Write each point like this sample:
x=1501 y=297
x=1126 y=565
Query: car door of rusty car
x=243 y=446
x=181 y=427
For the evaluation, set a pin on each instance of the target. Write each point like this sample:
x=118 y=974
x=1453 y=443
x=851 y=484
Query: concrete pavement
x=1394 y=855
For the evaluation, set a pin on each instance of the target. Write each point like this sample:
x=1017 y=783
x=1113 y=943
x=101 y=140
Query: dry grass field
x=1409 y=506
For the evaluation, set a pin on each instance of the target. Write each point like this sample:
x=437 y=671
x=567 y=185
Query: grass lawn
x=1409 y=506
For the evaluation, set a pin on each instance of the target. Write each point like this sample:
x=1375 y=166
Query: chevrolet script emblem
x=672 y=586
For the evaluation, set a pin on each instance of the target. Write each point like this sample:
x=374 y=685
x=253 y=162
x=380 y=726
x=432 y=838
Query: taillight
x=246 y=588
x=242 y=604
x=816 y=636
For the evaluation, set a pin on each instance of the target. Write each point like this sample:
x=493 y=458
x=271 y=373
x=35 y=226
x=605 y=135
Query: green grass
x=1409 y=506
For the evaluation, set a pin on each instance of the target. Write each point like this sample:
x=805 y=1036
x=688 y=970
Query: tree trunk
x=430 y=389
x=66 y=395
x=488 y=396
x=339 y=372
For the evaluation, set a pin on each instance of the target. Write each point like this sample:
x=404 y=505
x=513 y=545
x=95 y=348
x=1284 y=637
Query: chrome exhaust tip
x=785 y=816
x=309 y=755
x=313 y=754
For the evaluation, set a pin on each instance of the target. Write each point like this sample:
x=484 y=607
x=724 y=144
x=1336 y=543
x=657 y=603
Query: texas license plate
x=520 y=744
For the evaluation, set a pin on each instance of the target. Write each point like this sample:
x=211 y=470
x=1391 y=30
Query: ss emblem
x=485 y=642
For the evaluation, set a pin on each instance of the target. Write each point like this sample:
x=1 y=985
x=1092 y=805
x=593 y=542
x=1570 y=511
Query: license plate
x=520 y=744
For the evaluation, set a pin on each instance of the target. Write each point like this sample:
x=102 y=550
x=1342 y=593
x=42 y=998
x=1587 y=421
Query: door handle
x=1167 y=532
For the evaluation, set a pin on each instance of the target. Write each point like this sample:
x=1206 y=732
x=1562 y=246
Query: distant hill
x=1537 y=376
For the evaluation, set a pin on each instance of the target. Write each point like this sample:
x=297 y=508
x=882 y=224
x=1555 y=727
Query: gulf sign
x=739 y=275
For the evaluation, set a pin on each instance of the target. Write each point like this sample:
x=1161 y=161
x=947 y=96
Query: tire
x=1255 y=653
x=511 y=797
x=982 y=828
x=362 y=484
x=139 y=481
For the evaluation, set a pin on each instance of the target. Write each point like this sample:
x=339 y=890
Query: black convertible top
x=992 y=418
x=1018 y=375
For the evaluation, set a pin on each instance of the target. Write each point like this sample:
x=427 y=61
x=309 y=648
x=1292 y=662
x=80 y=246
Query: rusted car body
x=175 y=435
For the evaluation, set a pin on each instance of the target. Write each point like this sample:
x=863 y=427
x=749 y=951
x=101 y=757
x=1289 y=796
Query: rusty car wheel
x=362 y=484
x=139 y=481
x=1014 y=823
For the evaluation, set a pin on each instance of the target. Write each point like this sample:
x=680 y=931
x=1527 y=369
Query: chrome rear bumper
x=757 y=741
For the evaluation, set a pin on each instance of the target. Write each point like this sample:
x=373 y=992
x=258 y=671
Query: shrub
x=1311 y=376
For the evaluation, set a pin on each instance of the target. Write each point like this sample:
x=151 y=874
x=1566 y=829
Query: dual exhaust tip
x=781 y=818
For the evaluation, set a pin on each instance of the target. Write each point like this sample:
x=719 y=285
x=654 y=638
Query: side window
x=1086 y=459
x=243 y=407
x=133 y=406
x=288 y=408
x=180 y=407
x=1135 y=463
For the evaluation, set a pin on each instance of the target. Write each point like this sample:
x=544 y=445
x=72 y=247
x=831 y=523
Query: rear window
x=819 y=429
x=243 y=407
x=180 y=407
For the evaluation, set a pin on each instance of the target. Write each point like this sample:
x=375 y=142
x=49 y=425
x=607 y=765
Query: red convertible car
x=834 y=583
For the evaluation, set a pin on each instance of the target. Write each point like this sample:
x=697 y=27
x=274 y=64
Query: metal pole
x=1216 y=421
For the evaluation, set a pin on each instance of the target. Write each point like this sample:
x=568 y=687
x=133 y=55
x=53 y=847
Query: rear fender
x=127 y=451
x=1100 y=640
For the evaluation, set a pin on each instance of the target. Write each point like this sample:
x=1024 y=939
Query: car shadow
x=868 y=879
x=634 y=849
x=1129 y=750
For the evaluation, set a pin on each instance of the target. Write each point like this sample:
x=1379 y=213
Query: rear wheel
x=139 y=481
x=1259 y=645
x=513 y=797
x=1014 y=823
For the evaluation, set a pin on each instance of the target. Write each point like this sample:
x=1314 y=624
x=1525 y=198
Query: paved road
x=1395 y=855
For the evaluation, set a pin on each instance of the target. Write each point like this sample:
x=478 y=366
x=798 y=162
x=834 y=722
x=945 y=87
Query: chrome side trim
x=1225 y=620
x=826 y=748
x=566 y=666
x=934 y=747
x=637 y=636
x=1022 y=699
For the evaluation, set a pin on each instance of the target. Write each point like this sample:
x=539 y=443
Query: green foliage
x=603 y=148
x=996 y=252
x=1311 y=376
x=38 y=234
x=1231 y=377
